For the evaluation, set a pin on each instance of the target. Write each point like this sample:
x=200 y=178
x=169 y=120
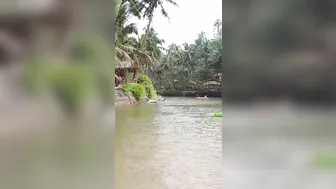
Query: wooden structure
x=125 y=65
x=217 y=77
x=212 y=85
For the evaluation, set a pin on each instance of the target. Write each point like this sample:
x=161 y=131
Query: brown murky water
x=270 y=145
x=173 y=145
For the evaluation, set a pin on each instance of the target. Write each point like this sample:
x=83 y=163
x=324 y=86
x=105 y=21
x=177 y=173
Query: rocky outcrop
x=121 y=98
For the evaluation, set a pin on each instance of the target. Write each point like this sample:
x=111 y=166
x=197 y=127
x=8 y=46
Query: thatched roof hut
x=212 y=84
x=125 y=62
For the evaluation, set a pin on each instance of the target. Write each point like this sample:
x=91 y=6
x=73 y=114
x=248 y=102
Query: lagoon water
x=178 y=144
x=174 y=144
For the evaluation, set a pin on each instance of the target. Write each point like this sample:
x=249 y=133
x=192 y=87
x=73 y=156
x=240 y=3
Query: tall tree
x=188 y=66
x=149 y=6
x=218 y=27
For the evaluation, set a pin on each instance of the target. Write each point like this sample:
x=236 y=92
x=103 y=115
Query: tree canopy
x=179 y=67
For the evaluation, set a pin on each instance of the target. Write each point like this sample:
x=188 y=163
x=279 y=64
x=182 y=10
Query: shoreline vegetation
x=144 y=66
x=130 y=93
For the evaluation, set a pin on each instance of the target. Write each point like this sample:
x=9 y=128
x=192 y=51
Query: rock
x=121 y=98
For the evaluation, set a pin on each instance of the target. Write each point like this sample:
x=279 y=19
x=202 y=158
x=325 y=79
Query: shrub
x=148 y=84
x=137 y=90
x=145 y=80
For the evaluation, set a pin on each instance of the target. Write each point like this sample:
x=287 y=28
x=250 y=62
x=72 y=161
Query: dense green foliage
x=135 y=89
x=184 y=67
x=144 y=50
x=188 y=66
x=148 y=84
x=144 y=88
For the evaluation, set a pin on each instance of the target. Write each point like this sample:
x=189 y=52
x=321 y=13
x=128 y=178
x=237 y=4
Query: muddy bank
x=191 y=93
x=121 y=98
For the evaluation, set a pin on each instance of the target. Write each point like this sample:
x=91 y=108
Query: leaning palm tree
x=143 y=56
x=123 y=29
x=148 y=7
x=154 y=47
x=144 y=59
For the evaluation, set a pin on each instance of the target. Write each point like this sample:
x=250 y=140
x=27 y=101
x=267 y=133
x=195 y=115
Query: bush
x=151 y=93
x=137 y=90
x=145 y=80
x=143 y=88
x=148 y=84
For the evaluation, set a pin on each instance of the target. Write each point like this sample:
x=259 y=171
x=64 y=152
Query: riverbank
x=141 y=91
x=122 y=99
x=208 y=93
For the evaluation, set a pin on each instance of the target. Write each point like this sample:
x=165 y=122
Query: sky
x=186 y=21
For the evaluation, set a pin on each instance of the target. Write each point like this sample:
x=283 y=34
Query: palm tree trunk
x=143 y=43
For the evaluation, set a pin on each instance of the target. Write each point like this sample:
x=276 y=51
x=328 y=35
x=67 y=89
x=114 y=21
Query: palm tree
x=148 y=57
x=149 y=7
x=124 y=50
x=190 y=64
x=218 y=27
x=215 y=56
x=122 y=30
x=140 y=57
x=131 y=48
x=202 y=50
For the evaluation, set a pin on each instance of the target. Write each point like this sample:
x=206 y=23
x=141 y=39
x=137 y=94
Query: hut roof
x=123 y=62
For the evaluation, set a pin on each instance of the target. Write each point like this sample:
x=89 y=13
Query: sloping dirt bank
x=121 y=98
